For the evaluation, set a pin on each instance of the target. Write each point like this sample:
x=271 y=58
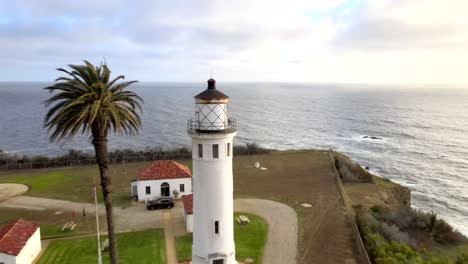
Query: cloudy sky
x=357 y=41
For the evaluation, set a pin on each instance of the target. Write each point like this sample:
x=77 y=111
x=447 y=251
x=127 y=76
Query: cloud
x=406 y=25
x=182 y=40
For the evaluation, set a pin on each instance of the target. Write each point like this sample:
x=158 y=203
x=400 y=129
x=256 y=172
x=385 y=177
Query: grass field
x=293 y=177
x=143 y=247
x=51 y=222
x=250 y=240
x=75 y=183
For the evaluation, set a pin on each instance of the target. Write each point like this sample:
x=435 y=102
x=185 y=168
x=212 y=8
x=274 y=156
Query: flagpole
x=97 y=223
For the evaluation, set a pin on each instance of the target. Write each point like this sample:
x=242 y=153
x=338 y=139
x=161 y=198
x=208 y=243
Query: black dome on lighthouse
x=211 y=93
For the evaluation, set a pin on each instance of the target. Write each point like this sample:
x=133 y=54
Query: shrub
x=249 y=149
x=378 y=210
x=407 y=219
x=462 y=259
x=444 y=233
x=392 y=233
x=382 y=252
x=366 y=223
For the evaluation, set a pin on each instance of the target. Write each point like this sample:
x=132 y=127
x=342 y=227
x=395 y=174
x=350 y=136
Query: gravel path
x=282 y=240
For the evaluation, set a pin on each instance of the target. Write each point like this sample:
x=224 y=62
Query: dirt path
x=281 y=246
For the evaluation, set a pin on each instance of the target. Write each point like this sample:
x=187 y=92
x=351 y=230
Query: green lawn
x=250 y=240
x=49 y=230
x=143 y=247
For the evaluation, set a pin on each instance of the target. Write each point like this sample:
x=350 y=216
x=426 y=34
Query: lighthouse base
x=216 y=258
x=235 y=262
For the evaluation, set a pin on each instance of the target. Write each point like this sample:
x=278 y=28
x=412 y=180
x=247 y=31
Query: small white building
x=20 y=242
x=162 y=179
x=188 y=212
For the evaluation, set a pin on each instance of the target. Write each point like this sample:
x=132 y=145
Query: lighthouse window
x=215 y=151
x=228 y=149
x=216 y=227
x=200 y=150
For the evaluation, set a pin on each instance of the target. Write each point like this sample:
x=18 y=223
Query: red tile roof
x=188 y=203
x=161 y=170
x=13 y=237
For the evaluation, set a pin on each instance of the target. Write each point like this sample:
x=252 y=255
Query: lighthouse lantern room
x=212 y=133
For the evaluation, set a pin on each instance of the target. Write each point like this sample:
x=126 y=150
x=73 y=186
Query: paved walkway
x=8 y=190
x=170 y=238
x=281 y=247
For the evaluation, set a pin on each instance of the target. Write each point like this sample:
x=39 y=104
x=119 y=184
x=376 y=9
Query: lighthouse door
x=165 y=190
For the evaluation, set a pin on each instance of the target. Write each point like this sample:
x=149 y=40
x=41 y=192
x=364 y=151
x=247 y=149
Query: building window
x=182 y=187
x=215 y=151
x=228 y=149
x=200 y=150
x=216 y=227
x=148 y=189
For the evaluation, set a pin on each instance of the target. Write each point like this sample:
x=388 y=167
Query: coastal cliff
x=391 y=230
x=368 y=190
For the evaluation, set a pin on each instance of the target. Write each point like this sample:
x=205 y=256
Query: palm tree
x=87 y=101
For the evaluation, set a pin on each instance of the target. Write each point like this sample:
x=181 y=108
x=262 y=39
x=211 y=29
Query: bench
x=242 y=219
x=68 y=225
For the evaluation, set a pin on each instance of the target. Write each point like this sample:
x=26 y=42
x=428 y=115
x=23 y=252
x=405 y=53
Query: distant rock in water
x=367 y=168
x=372 y=137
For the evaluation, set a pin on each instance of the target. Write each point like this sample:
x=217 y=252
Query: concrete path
x=281 y=247
x=8 y=190
x=170 y=238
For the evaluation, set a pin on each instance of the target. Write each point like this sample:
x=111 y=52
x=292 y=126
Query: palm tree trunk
x=100 y=147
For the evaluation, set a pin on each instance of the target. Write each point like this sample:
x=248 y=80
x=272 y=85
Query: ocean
x=422 y=133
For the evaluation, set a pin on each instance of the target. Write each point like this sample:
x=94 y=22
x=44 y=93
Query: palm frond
x=88 y=101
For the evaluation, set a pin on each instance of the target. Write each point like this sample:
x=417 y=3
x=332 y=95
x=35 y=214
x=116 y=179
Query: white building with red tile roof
x=20 y=242
x=188 y=212
x=162 y=179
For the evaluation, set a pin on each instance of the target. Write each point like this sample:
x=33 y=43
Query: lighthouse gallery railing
x=196 y=126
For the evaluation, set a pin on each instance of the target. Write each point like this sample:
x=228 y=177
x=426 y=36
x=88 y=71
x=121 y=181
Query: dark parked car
x=165 y=202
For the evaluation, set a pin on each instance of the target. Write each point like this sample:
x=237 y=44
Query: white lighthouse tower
x=212 y=133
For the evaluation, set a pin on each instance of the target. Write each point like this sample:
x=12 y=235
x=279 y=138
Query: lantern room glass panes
x=212 y=116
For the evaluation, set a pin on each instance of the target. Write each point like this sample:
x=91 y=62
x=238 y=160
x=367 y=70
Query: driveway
x=282 y=239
